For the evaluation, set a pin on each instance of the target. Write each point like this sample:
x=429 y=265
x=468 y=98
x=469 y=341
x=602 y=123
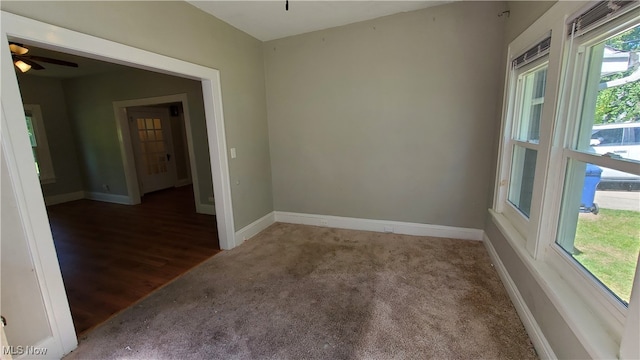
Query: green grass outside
x=608 y=246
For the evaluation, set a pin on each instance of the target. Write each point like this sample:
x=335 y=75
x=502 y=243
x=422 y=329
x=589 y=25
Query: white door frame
x=16 y=148
x=126 y=146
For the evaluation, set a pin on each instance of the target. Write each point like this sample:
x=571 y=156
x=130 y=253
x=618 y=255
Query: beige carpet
x=304 y=292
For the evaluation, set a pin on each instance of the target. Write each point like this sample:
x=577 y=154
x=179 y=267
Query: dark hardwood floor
x=114 y=255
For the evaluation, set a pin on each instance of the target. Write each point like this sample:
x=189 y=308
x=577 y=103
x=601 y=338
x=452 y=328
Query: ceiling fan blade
x=34 y=65
x=53 y=61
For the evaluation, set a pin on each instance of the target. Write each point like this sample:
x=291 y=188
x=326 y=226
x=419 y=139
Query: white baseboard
x=208 y=209
x=538 y=339
x=254 y=228
x=63 y=198
x=112 y=198
x=396 y=227
x=183 y=182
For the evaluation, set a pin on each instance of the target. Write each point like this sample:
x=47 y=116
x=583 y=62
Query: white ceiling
x=268 y=20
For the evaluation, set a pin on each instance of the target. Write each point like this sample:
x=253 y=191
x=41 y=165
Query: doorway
x=204 y=198
x=30 y=208
x=107 y=268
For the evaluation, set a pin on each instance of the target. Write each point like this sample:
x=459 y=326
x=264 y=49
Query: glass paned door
x=151 y=138
x=154 y=155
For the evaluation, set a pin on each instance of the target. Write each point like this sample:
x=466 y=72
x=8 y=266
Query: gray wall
x=90 y=103
x=49 y=94
x=389 y=119
x=180 y=149
x=557 y=332
x=179 y=30
x=523 y=14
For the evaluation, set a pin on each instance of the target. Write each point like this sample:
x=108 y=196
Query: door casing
x=126 y=148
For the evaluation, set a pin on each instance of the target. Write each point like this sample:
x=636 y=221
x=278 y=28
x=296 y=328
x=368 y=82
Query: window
x=597 y=227
x=39 y=144
x=568 y=185
x=526 y=137
x=522 y=134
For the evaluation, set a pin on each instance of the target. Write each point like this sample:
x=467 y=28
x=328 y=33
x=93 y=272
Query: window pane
x=31 y=132
x=599 y=228
x=523 y=170
x=610 y=118
x=634 y=136
x=533 y=87
x=35 y=160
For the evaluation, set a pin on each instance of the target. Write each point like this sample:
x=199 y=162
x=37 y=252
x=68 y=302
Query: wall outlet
x=324 y=222
x=388 y=229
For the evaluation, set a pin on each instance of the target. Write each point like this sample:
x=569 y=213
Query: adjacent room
x=321 y=179
x=113 y=253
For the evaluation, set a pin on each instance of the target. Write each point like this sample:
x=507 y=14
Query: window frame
x=510 y=141
x=528 y=229
x=605 y=304
x=45 y=164
x=602 y=324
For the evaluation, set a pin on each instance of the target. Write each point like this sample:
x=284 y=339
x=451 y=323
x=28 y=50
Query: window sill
x=579 y=316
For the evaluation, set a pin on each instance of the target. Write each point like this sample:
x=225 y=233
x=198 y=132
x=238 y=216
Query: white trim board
x=110 y=198
x=538 y=339
x=255 y=227
x=63 y=198
x=395 y=227
x=207 y=209
x=183 y=182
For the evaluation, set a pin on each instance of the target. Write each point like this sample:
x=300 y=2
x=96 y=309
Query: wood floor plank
x=113 y=255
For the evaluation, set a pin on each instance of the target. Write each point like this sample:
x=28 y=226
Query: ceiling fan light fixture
x=17 y=49
x=23 y=66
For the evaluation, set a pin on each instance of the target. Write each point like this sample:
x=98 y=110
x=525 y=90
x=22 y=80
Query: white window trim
x=514 y=107
x=597 y=296
x=605 y=328
x=47 y=174
x=527 y=227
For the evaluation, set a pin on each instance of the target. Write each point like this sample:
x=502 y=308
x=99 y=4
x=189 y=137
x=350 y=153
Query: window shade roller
x=596 y=15
x=535 y=52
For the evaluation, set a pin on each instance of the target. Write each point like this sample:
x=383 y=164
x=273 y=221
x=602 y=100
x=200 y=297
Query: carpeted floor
x=305 y=292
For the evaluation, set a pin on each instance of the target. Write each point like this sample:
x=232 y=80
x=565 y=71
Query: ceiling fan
x=26 y=62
